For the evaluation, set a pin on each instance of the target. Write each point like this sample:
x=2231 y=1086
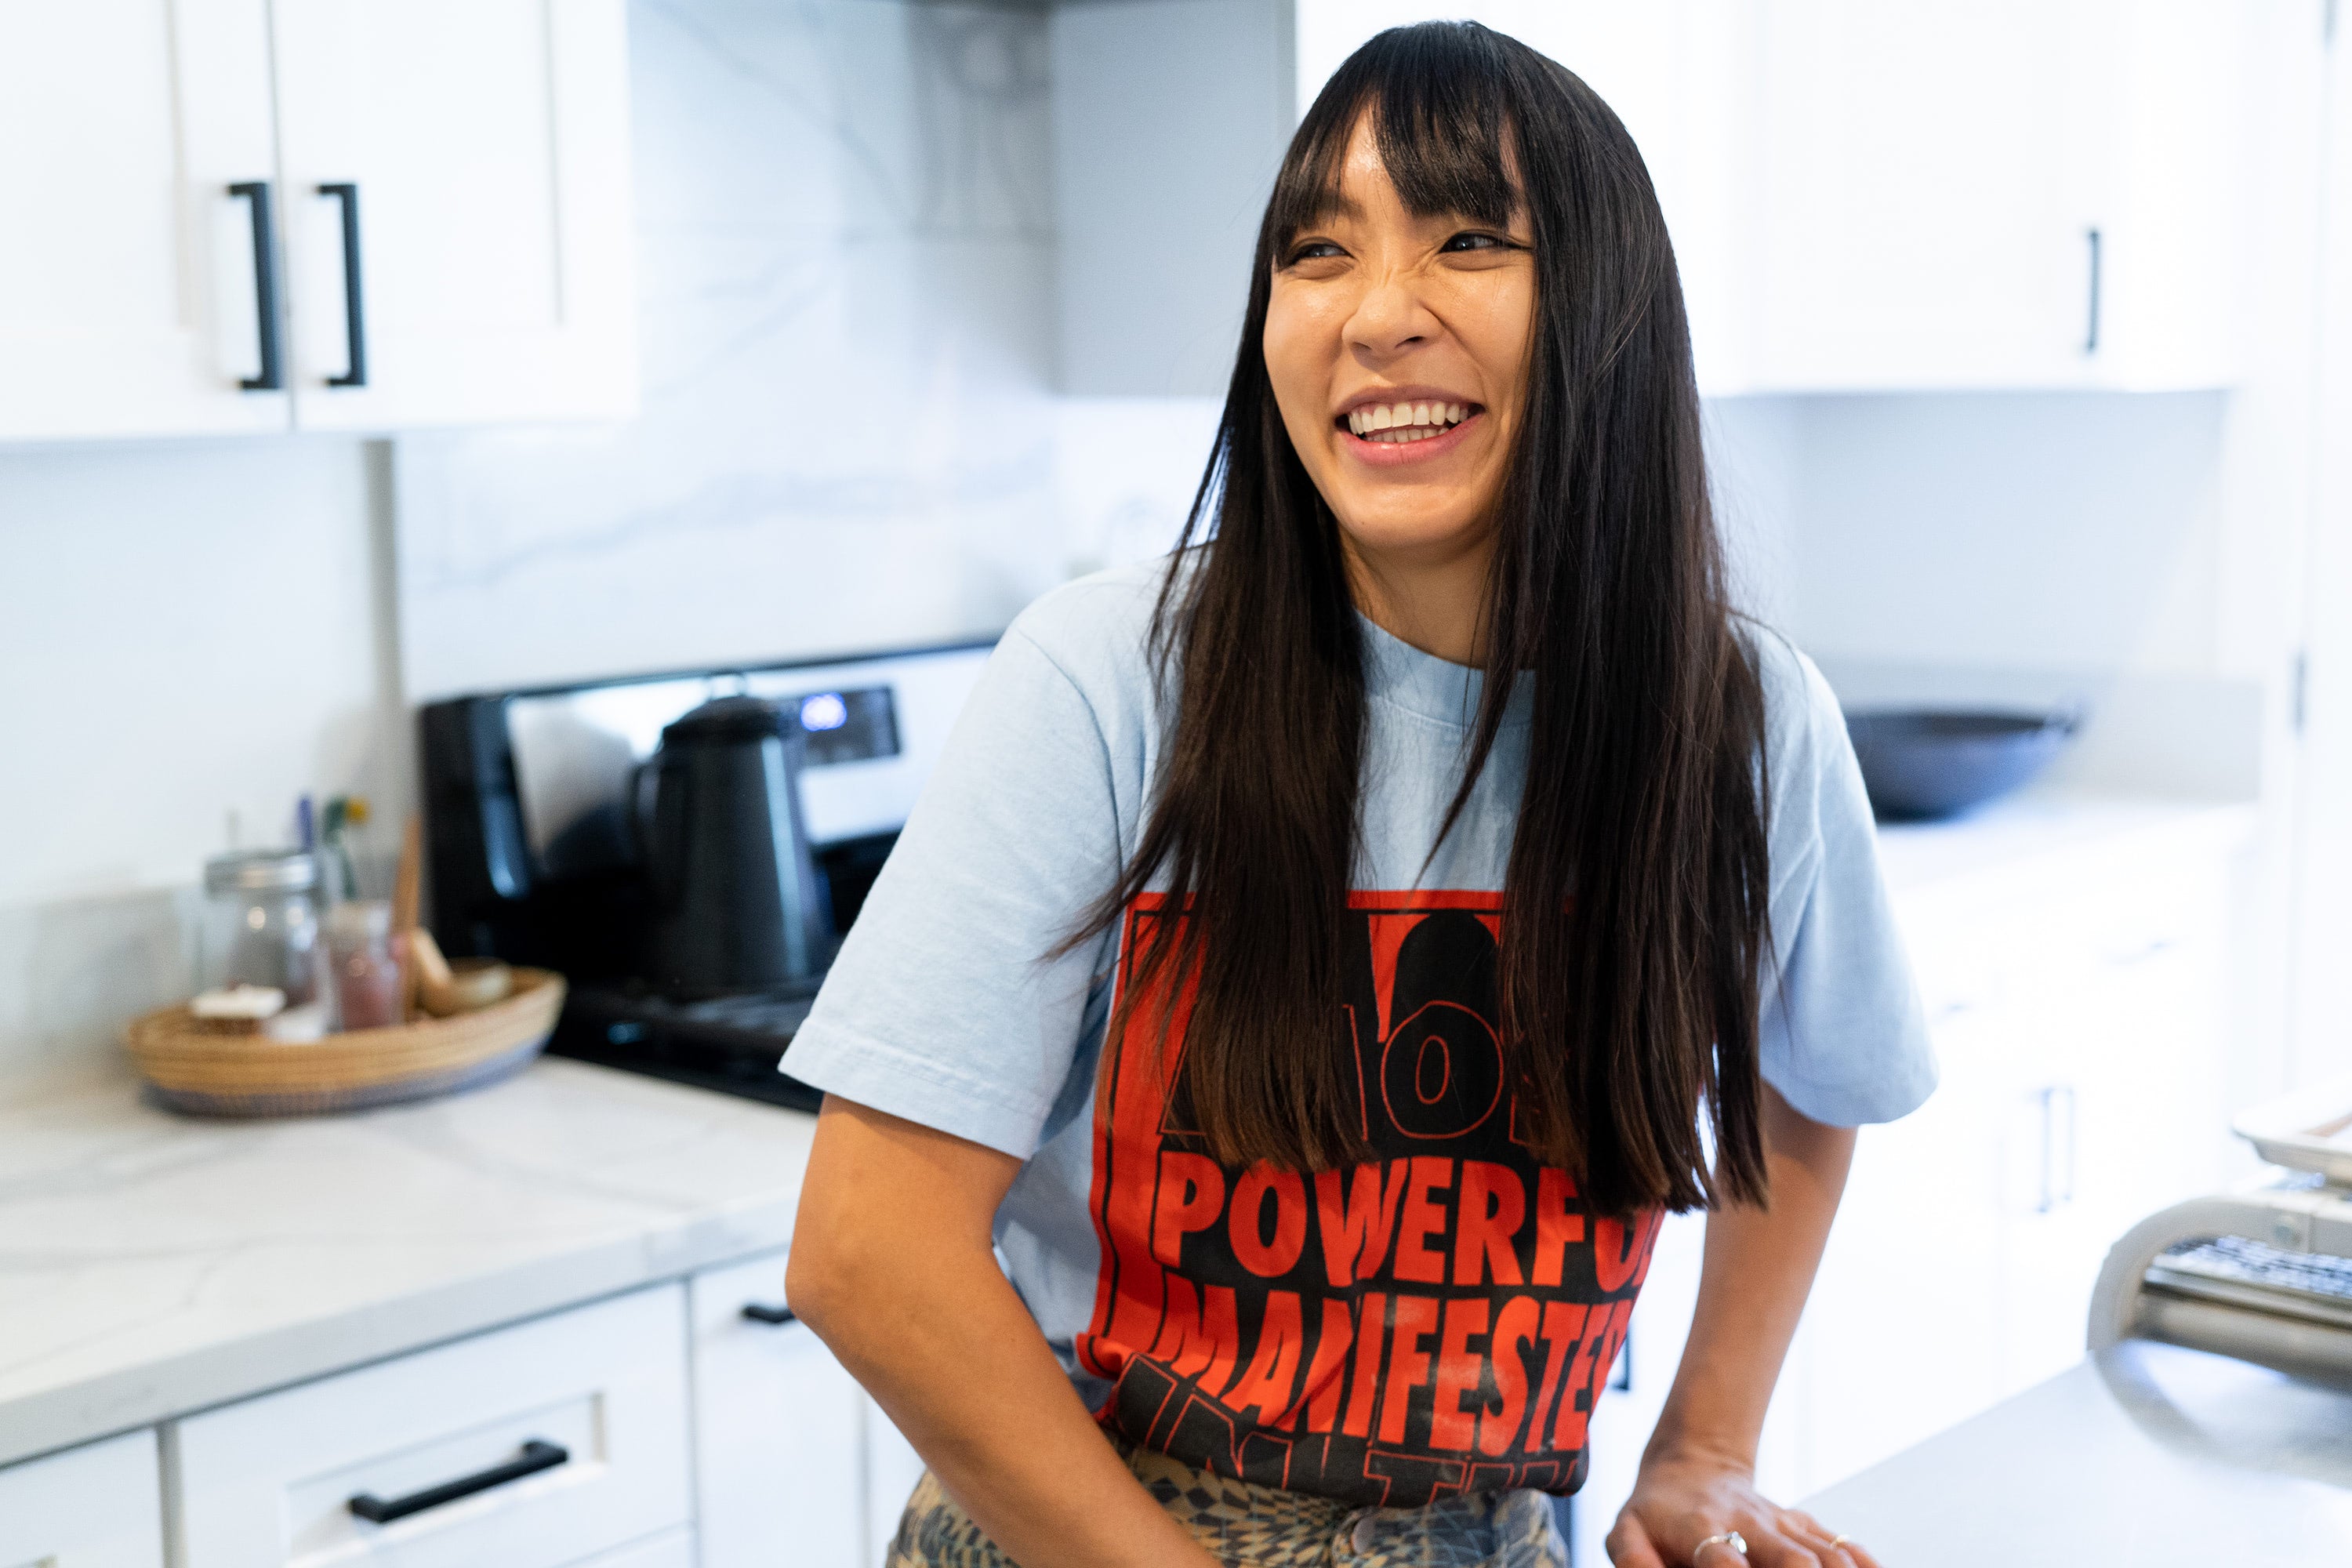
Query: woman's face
x=1398 y=350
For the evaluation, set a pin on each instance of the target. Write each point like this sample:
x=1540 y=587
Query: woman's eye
x=1469 y=241
x=1314 y=250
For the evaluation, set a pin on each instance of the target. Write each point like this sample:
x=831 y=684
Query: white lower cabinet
x=782 y=1434
x=670 y=1549
x=540 y=1446
x=97 y=1506
x=2075 y=1000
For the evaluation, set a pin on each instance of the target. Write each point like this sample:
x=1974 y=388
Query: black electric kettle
x=736 y=902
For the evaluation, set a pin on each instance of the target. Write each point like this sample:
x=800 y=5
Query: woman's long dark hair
x=1634 y=906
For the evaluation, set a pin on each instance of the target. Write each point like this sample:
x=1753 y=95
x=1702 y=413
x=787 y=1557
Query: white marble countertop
x=151 y=1265
x=2146 y=1455
x=2036 y=824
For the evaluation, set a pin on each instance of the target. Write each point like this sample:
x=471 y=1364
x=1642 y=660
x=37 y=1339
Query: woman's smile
x=1386 y=426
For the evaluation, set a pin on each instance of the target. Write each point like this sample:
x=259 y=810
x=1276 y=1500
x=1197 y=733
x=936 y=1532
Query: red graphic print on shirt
x=1439 y=1319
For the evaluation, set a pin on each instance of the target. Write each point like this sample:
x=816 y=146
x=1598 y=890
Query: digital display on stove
x=849 y=726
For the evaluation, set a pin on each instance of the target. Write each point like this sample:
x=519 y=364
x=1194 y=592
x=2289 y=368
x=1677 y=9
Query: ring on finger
x=1730 y=1537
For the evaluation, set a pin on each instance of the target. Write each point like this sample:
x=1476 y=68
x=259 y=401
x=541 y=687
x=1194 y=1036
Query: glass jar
x=368 y=993
x=261 y=923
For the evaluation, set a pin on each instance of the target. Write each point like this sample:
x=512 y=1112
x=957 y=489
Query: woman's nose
x=1388 y=319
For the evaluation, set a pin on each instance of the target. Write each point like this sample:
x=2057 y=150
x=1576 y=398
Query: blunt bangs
x=1435 y=96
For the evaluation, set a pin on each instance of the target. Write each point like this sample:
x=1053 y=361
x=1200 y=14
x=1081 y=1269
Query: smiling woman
x=1324 y=955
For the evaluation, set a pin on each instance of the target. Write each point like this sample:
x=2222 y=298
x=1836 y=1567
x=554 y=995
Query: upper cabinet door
x=129 y=261
x=458 y=229
x=1934 y=194
x=1926 y=205
x=1992 y=194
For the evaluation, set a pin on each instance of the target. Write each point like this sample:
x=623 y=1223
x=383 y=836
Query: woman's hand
x=1682 y=1498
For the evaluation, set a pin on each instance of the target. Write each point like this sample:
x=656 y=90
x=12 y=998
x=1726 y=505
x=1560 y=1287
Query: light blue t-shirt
x=1439 y=1319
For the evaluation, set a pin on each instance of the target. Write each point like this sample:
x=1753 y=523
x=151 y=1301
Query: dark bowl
x=1924 y=764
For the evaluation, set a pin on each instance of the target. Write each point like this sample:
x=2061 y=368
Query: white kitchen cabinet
x=98 y=1506
x=2114 y=1097
x=1937 y=194
x=480 y=148
x=129 y=263
x=179 y=174
x=1901 y=1315
x=780 y=1430
x=2074 y=999
x=1991 y=194
x=670 y=1549
x=2073 y=995
x=534 y=1447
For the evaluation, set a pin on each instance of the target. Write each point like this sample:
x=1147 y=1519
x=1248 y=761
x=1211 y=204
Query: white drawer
x=99 y=1506
x=273 y=1480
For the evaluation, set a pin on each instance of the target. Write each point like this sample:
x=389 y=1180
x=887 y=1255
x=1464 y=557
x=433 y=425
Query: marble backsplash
x=848 y=438
x=78 y=968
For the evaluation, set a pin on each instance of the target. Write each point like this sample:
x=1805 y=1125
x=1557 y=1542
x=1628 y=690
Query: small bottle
x=261 y=923
x=368 y=991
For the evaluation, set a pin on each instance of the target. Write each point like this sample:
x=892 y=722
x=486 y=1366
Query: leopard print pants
x=1248 y=1526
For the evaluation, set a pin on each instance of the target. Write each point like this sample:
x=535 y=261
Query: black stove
x=531 y=801
x=730 y=1044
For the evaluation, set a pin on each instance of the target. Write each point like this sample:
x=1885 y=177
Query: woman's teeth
x=1395 y=422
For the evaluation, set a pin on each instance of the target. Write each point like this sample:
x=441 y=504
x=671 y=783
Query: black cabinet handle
x=354 y=331
x=2091 y=336
x=536 y=1456
x=761 y=1312
x=265 y=288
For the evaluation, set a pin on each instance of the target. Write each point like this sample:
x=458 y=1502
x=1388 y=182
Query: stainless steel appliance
x=2264 y=1275
x=547 y=844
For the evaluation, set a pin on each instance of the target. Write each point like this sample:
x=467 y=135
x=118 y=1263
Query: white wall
x=2019 y=530
x=1170 y=116
x=2320 y=871
x=187 y=631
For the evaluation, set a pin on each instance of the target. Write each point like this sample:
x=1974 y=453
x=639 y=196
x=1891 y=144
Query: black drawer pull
x=536 y=1456
x=761 y=1312
x=265 y=288
x=354 y=329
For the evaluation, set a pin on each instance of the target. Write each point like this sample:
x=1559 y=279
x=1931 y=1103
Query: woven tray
x=244 y=1075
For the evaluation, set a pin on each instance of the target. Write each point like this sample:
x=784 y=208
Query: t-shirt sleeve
x=1843 y=1036
x=949 y=1004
